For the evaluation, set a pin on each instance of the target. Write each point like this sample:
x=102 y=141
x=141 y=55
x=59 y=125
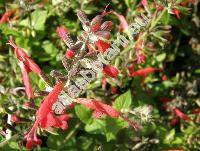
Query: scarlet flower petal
x=174 y=121
x=96 y=23
x=145 y=71
x=33 y=66
x=99 y=108
x=97 y=114
x=62 y=32
x=177 y=13
x=144 y=3
x=102 y=46
x=123 y=23
x=26 y=80
x=69 y=53
x=50 y=99
x=110 y=71
x=180 y=114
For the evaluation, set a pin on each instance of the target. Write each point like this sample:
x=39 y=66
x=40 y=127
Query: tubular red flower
x=177 y=13
x=140 y=57
x=123 y=23
x=99 y=108
x=96 y=23
x=69 y=53
x=62 y=32
x=144 y=3
x=102 y=46
x=110 y=71
x=5 y=17
x=180 y=114
x=46 y=118
x=26 y=80
x=50 y=99
x=174 y=121
x=145 y=71
x=113 y=90
x=31 y=137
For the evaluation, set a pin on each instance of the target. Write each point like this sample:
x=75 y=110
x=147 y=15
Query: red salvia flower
x=180 y=114
x=99 y=108
x=31 y=137
x=113 y=90
x=102 y=46
x=26 y=80
x=26 y=64
x=69 y=53
x=145 y=71
x=46 y=118
x=104 y=109
x=140 y=57
x=164 y=77
x=110 y=71
x=177 y=13
x=22 y=56
x=144 y=3
x=62 y=32
x=103 y=82
x=174 y=121
x=5 y=16
x=123 y=23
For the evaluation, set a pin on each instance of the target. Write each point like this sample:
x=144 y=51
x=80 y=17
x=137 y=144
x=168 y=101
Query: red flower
x=103 y=82
x=5 y=17
x=50 y=99
x=22 y=56
x=176 y=12
x=174 y=121
x=164 y=77
x=96 y=23
x=15 y=118
x=99 y=108
x=102 y=46
x=62 y=32
x=104 y=109
x=131 y=69
x=26 y=80
x=69 y=53
x=113 y=90
x=180 y=114
x=26 y=64
x=144 y=3
x=144 y=72
x=31 y=137
x=46 y=118
x=140 y=57
x=110 y=71
x=123 y=23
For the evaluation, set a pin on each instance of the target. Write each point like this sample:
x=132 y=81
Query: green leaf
x=97 y=126
x=37 y=21
x=83 y=113
x=50 y=48
x=161 y=57
x=169 y=137
x=123 y=102
x=113 y=126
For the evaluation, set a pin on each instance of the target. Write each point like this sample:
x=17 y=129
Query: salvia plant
x=99 y=75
